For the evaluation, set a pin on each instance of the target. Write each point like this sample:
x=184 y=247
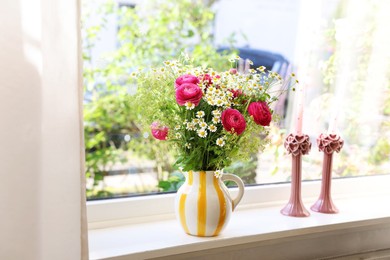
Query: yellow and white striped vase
x=203 y=203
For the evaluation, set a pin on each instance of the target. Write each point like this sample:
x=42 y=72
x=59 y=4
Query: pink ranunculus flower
x=188 y=92
x=206 y=78
x=233 y=121
x=159 y=132
x=187 y=78
x=260 y=112
x=233 y=71
x=236 y=93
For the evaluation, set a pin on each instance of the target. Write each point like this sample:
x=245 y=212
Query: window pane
x=340 y=51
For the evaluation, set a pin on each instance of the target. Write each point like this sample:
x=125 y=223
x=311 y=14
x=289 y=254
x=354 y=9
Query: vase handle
x=240 y=184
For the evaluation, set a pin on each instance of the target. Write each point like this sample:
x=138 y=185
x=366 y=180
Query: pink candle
x=336 y=105
x=333 y=124
x=241 y=64
x=299 y=118
x=247 y=66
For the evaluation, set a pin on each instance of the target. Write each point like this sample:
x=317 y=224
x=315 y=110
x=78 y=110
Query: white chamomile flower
x=216 y=113
x=177 y=135
x=202 y=133
x=218 y=173
x=203 y=124
x=210 y=90
x=216 y=120
x=190 y=126
x=220 y=142
x=189 y=105
x=219 y=102
x=188 y=145
x=200 y=114
x=195 y=121
x=212 y=128
x=177 y=127
x=217 y=81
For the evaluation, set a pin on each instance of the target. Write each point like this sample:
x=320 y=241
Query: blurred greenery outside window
x=344 y=66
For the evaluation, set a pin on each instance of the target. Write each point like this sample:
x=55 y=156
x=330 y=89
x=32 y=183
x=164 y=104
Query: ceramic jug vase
x=203 y=203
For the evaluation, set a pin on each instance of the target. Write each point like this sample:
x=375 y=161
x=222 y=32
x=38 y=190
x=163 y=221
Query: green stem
x=247 y=105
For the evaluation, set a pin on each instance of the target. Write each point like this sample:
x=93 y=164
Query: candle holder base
x=295 y=210
x=324 y=206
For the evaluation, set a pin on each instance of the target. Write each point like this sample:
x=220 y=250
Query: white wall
x=268 y=25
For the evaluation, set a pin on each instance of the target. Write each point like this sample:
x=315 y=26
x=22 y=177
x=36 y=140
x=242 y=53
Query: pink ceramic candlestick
x=296 y=145
x=328 y=144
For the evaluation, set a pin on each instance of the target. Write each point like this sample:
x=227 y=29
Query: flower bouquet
x=211 y=118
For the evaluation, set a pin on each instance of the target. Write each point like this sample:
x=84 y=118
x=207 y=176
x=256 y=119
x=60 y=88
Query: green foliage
x=246 y=170
x=173 y=183
x=107 y=123
x=158 y=30
x=380 y=152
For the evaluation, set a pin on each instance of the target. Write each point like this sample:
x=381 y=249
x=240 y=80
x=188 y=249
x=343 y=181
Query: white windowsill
x=250 y=224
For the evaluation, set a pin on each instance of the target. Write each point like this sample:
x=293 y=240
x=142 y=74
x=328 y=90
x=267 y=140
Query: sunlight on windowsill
x=251 y=226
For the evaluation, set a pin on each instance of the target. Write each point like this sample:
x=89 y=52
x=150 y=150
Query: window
x=338 y=50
